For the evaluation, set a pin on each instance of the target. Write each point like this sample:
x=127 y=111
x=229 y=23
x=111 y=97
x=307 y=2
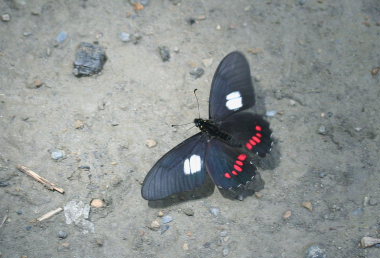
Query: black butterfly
x=223 y=146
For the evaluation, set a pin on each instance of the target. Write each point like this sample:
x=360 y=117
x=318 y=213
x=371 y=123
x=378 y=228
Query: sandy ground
x=311 y=62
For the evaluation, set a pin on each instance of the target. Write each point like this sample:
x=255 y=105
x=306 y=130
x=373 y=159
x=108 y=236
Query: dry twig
x=40 y=179
x=49 y=214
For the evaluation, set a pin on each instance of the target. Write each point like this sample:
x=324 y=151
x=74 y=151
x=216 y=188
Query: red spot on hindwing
x=227 y=175
x=256 y=139
x=238 y=162
x=259 y=135
x=252 y=142
x=236 y=167
x=242 y=157
x=249 y=146
x=258 y=128
x=234 y=172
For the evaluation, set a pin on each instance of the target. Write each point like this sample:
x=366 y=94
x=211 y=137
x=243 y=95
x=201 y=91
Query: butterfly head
x=200 y=123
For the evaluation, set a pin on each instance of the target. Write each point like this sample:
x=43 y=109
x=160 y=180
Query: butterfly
x=225 y=142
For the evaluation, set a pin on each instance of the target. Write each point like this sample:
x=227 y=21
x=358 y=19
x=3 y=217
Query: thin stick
x=49 y=214
x=4 y=219
x=40 y=179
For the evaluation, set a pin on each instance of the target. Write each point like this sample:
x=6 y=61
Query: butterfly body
x=225 y=144
x=211 y=129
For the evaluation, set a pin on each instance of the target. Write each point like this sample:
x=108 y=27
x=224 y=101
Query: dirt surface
x=311 y=62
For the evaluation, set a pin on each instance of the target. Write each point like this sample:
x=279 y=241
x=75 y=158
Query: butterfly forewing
x=181 y=169
x=227 y=166
x=231 y=88
x=250 y=131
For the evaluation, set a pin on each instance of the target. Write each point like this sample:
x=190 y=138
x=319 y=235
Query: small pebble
x=218 y=27
x=136 y=38
x=258 y=195
x=188 y=211
x=57 y=154
x=62 y=234
x=197 y=72
x=308 y=205
x=5 y=17
x=97 y=203
x=99 y=242
x=150 y=143
x=292 y=102
x=372 y=202
x=215 y=211
x=62 y=36
x=185 y=246
x=166 y=219
x=375 y=71
x=19 y=212
x=225 y=251
x=155 y=225
x=322 y=175
x=271 y=113
x=79 y=124
x=287 y=214
x=160 y=214
x=26 y=34
x=27 y=228
x=66 y=245
x=315 y=252
x=207 y=62
x=125 y=37
x=176 y=50
x=322 y=130
x=223 y=233
x=164 y=53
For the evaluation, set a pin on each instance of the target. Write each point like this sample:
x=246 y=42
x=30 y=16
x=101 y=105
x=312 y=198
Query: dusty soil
x=311 y=62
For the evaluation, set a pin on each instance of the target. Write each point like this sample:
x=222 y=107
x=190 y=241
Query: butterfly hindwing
x=227 y=166
x=181 y=169
x=231 y=88
x=250 y=131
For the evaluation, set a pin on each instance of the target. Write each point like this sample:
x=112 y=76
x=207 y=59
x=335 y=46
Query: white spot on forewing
x=234 y=100
x=233 y=95
x=195 y=164
x=192 y=165
x=186 y=167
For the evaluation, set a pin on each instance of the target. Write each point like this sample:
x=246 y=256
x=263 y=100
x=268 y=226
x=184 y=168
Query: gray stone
x=89 y=59
x=166 y=219
x=5 y=17
x=322 y=130
x=358 y=212
x=322 y=175
x=215 y=211
x=164 y=228
x=62 y=36
x=125 y=37
x=315 y=251
x=188 y=212
x=372 y=202
x=57 y=154
x=225 y=251
x=62 y=234
x=197 y=72
x=164 y=53
x=271 y=113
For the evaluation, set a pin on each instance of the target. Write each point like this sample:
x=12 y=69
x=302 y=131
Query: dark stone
x=197 y=72
x=4 y=183
x=89 y=59
x=164 y=53
x=62 y=234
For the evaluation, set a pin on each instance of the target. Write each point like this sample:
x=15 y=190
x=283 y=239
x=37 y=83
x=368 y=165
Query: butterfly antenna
x=182 y=124
x=196 y=97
